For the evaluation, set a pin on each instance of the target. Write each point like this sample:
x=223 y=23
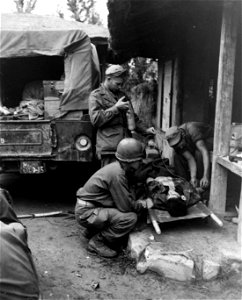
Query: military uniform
x=111 y=123
x=191 y=133
x=106 y=204
x=18 y=276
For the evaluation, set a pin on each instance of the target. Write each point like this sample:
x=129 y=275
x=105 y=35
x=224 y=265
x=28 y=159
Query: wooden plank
x=223 y=105
x=160 y=94
x=166 y=111
x=175 y=115
x=229 y=165
x=239 y=232
x=218 y=190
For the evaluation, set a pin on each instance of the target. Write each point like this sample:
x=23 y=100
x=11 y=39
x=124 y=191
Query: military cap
x=173 y=135
x=115 y=71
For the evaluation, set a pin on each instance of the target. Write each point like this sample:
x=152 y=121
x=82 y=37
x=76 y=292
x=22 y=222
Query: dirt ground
x=67 y=271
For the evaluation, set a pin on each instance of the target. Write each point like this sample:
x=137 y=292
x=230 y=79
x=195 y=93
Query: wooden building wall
x=195 y=95
x=199 y=70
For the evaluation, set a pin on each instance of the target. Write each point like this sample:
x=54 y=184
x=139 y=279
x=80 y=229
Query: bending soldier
x=192 y=142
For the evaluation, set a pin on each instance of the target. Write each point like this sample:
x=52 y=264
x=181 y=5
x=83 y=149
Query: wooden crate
x=51 y=106
x=52 y=93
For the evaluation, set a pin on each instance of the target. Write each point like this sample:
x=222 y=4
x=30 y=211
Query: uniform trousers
x=111 y=223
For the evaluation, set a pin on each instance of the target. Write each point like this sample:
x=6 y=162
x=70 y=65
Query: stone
x=236 y=267
x=172 y=265
x=231 y=260
x=235 y=254
x=138 y=241
x=210 y=269
x=141 y=267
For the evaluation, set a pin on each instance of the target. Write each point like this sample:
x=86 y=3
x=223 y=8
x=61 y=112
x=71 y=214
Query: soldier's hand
x=146 y=203
x=194 y=181
x=122 y=104
x=149 y=203
x=204 y=182
x=151 y=130
x=142 y=203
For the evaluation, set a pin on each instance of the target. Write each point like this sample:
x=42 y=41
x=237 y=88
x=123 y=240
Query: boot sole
x=93 y=250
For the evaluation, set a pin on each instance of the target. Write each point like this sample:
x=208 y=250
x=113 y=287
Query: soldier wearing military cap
x=192 y=142
x=107 y=109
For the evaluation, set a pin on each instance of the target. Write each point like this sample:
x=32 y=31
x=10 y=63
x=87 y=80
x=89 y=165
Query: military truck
x=59 y=61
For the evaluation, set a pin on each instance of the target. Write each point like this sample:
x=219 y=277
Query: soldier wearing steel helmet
x=106 y=205
x=108 y=106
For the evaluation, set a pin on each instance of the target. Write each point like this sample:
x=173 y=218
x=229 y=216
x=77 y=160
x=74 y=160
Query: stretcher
x=198 y=210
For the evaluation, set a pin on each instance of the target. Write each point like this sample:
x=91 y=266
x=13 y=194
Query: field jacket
x=110 y=122
x=109 y=187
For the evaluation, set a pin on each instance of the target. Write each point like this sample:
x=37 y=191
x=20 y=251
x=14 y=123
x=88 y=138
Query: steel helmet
x=130 y=150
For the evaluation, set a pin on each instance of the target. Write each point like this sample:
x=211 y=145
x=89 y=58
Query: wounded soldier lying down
x=172 y=194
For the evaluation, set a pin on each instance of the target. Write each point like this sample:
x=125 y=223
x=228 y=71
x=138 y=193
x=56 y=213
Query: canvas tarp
x=27 y=35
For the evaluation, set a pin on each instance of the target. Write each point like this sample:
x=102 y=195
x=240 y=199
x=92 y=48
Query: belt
x=85 y=203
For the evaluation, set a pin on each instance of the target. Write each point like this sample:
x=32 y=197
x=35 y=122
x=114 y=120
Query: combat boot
x=97 y=245
x=88 y=233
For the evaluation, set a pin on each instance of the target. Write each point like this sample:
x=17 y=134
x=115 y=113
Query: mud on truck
x=48 y=69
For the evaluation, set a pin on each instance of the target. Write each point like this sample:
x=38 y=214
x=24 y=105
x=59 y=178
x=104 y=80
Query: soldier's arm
x=206 y=163
x=122 y=196
x=98 y=114
x=141 y=128
x=192 y=167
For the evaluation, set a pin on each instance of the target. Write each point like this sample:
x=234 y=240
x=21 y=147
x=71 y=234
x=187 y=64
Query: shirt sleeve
x=122 y=196
x=196 y=134
x=199 y=131
x=98 y=114
x=140 y=127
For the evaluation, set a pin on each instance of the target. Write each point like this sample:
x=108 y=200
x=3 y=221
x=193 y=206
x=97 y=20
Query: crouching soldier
x=106 y=205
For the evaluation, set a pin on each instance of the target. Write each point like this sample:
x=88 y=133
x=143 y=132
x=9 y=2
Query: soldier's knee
x=132 y=217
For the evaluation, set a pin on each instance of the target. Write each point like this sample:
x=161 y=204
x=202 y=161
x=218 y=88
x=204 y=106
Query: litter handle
x=216 y=219
x=154 y=222
x=208 y=212
x=40 y=215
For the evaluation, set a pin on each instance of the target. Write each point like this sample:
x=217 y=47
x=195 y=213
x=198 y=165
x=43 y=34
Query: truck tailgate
x=25 y=138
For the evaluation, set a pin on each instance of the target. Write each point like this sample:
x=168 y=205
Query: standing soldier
x=108 y=107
